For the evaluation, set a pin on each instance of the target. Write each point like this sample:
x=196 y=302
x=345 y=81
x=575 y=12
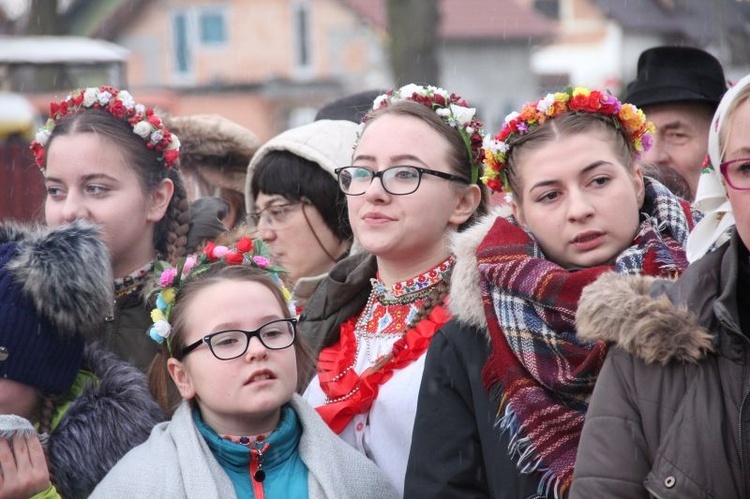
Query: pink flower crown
x=626 y=117
x=120 y=104
x=453 y=110
x=245 y=252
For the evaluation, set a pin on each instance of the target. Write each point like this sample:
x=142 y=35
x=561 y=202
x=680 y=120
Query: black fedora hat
x=676 y=74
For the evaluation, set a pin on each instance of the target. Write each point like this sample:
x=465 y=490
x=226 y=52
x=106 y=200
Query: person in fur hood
x=506 y=384
x=89 y=408
x=669 y=415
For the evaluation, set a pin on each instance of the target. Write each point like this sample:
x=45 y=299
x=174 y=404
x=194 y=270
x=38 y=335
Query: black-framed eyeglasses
x=736 y=172
x=397 y=180
x=275 y=216
x=232 y=343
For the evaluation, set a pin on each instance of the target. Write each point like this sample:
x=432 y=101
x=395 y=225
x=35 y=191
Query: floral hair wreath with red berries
x=453 y=110
x=120 y=104
x=249 y=252
x=626 y=117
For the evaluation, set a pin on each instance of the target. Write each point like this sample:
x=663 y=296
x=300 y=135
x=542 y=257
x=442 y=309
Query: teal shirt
x=286 y=474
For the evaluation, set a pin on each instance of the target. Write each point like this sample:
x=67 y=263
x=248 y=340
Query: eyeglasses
x=232 y=343
x=274 y=216
x=737 y=173
x=397 y=180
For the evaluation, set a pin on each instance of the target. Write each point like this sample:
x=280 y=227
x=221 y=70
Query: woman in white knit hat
x=293 y=200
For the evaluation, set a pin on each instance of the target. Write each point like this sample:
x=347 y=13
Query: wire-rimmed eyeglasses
x=736 y=172
x=275 y=216
x=398 y=180
x=232 y=343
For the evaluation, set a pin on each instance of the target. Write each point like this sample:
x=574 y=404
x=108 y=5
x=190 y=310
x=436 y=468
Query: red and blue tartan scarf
x=539 y=375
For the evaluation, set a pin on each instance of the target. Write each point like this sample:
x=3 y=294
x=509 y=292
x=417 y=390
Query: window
x=183 y=57
x=213 y=29
x=302 y=36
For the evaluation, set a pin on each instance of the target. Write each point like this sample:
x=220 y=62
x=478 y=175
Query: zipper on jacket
x=745 y=396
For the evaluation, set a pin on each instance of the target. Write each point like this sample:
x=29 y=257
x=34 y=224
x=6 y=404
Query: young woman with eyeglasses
x=412 y=183
x=668 y=419
x=295 y=203
x=241 y=430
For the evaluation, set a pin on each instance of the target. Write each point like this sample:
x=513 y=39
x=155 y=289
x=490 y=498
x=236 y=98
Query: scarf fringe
x=522 y=449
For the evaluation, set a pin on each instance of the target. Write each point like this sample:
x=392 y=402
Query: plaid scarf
x=539 y=375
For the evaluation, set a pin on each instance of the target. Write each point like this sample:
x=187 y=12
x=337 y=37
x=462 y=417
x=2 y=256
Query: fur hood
x=101 y=425
x=465 y=301
x=618 y=308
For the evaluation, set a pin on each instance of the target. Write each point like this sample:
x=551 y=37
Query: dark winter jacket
x=457 y=451
x=126 y=332
x=672 y=418
x=101 y=425
x=342 y=295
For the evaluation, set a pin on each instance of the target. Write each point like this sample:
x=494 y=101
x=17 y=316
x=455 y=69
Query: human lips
x=261 y=375
x=588 y=240
x=374 y=217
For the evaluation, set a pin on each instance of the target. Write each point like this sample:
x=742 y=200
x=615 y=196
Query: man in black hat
x=679 y=89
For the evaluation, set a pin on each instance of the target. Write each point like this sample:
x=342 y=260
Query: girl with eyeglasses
x=295 y=204
x=241 y=430
x=668 y=415
x=412 y=183
x=506 y=385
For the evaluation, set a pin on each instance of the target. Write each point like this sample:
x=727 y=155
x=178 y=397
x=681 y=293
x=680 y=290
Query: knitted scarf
x=539 y=375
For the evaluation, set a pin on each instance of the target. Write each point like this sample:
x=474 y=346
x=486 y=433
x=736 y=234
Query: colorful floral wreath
x=120 y=104
x=451 y=108
x=245 y=252
x=624 y=116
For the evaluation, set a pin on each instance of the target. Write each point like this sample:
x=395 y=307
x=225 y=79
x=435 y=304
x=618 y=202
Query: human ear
x=640 y=187
x=518 y=212
x=181 y=378
x=467 y=203
x=159 y=199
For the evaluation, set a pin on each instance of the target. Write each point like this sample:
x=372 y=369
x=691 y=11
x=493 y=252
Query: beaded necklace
x=133 y=282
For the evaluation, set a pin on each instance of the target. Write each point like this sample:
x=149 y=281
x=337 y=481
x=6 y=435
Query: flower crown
x=625 y=116
x=451 y=108
x=120 y=104
x=245 y=252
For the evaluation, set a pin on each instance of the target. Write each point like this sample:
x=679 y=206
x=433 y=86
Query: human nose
x=376 y=190
x=579 y=206
x=73 y=208
x=265 y=231
x=256 y=350
x=658 y=154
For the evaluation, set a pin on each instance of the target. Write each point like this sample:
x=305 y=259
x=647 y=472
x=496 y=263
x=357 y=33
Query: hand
x=24 y=468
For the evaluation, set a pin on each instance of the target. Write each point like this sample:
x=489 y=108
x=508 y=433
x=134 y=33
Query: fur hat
x=676 y=74
x=215 y=148
x=55 y=289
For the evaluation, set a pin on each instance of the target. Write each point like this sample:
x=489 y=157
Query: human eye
x=547 y=197
x=600 y=181
x=226 y=340
x=96 y=189
x=55 y=192
x=407 y=173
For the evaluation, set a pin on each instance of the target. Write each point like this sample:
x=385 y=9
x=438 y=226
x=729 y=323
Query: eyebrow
x=86 y=178
x=233 y=325
x=393 y=159
x=592 y=166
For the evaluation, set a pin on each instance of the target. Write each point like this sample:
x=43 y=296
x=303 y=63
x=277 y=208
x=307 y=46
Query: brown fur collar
x=465 y=301
x=617 y=308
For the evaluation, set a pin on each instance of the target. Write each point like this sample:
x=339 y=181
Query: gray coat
x=671 y=418
x=176 y=462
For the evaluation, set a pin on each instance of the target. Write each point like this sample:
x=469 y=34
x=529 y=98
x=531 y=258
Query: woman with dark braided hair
x=108 y=159
x=413 y=182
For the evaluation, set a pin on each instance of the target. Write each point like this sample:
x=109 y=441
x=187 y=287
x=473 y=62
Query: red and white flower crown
x=120 y=104
x=453 y=110
x=626 y=117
